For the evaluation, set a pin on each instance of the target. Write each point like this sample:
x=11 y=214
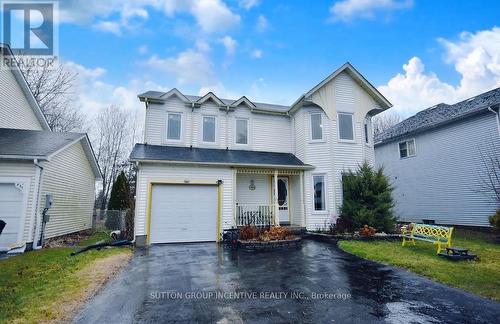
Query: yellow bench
x=438 y=235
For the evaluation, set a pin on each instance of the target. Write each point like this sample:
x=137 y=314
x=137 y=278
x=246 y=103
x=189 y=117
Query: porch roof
x=188 y=155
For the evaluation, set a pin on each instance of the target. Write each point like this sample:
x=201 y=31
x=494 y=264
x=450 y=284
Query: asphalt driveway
x=317 y=283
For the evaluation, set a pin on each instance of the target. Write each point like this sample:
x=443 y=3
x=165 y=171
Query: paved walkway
x=316 y=284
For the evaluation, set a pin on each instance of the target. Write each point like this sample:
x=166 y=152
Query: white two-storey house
x=209 y=164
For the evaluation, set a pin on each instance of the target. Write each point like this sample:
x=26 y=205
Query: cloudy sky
x=417 y=53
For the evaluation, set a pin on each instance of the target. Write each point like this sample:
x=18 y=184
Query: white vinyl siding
x=69 y=178
x=445 y=183
x=261 y=195
x=15 y=110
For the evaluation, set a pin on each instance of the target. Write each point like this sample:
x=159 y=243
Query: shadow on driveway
x=315 y=284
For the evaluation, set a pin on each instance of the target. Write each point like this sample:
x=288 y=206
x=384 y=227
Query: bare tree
x=111 y=140
x=54 y=91
x=490 y=175
x=385 y=121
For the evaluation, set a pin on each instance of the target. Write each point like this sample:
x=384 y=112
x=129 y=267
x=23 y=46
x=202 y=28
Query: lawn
x=35 y=284
x=479 y=277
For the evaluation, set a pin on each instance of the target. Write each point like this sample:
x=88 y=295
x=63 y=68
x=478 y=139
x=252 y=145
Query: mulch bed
x=68 y=240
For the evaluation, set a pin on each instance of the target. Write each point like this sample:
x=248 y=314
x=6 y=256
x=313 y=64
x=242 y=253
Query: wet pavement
x=317 y=283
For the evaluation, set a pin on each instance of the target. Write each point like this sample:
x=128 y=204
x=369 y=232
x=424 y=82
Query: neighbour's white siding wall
x=295 y=207
x=22 y=169
x=442 y=181
x=266 y=132
x=15 y=110
x=149 y=172
x=71 y=181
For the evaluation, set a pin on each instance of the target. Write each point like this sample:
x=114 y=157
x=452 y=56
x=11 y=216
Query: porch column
x=302 y=205
x=275 y=200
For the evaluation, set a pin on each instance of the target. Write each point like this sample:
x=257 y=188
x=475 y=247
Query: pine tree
x=367 y=199
x=119 y=200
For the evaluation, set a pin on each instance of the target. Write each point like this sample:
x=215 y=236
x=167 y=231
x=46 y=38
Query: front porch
x=269 y=197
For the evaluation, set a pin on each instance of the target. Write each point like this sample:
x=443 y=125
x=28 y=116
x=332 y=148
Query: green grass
x=479 y=277
x=30 y=283
x=94 y=238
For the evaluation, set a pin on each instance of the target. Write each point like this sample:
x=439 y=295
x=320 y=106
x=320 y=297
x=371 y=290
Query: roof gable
x=210 y=96
x=244 y=100
x=21 y=81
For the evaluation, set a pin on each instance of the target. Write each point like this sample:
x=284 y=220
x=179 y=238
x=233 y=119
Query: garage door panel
x=183 y=213
x=11 y=202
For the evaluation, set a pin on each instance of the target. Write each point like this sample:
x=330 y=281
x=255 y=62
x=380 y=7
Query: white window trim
x=181 y=135
x=325 y=184
x=235 y=132
x=322 y=139
x=414 y=145
x=203 y=129
x=353 y=128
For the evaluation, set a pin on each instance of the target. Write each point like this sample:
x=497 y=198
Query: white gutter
x=498 y=118
x=34 y=227
x=249 y=165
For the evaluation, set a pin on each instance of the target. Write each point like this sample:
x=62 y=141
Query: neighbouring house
x=440 y=162
x=36 y=162
x=209 y=164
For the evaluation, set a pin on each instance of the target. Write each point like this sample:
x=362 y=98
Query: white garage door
x=11 y=201
x=183 y=213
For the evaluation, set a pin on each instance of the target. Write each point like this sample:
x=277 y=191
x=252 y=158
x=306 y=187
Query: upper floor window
x=316 y=127
x=319 y=193
x=209 y=129
x=174 y=125
x=407 y=148
x=346 y=127
x=241 y=131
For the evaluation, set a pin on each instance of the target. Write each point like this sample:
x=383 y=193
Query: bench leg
x=439 y=247
x=403 y=244
x=413 y=241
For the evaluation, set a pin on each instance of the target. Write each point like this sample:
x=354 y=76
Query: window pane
x=319 y=193
x=174 y=127
x=366 y=133
x=345 y=127
x=411 y=147
x=208 y=129
x=316 y=127
x=241 y=131
x=403 y=151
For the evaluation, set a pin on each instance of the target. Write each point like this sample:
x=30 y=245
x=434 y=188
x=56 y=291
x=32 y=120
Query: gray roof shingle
x=440 y=114
x=147 y=152
x=259 y=105
x=19 y=143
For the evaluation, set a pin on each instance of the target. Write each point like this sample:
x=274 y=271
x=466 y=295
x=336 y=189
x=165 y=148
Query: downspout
x=192 y=124
x=36 y=200
x=497 y=113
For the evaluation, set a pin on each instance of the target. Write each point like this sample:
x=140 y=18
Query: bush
x=249 y=233
x=367 y=199
x=495 y=221
x=276 y=234
x=367 y=231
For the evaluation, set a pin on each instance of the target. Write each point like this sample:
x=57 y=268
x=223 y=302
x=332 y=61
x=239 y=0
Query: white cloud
x=143 y=49
x=189 y=67
x=229 y=44
x=476 y=57
x=262 y=24
x=346 y=10
x=112 y=27
x=210 y=15
x=249 y=4
x=256 y=54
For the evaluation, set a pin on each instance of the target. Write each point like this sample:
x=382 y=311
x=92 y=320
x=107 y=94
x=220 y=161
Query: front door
x=283 y=193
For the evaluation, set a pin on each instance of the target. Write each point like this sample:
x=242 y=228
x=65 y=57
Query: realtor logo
x=30 y=27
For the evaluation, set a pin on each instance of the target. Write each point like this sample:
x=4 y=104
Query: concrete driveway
x=316 y=284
